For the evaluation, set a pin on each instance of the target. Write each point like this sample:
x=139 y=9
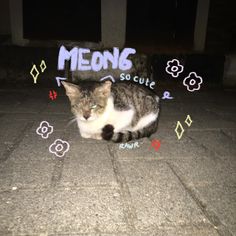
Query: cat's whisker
x=71 y=117
x=71 y=121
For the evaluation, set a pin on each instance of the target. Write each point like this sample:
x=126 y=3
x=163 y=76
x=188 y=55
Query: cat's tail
x=109 y=134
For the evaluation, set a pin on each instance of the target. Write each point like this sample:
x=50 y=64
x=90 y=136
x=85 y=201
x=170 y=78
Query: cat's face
x=88 y=100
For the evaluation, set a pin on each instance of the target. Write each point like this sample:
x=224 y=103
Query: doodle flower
x=44 y=129
x=174 y=68
x=59 y=147
x=192 y=82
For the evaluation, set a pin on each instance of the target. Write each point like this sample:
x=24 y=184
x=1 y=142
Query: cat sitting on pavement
x=117 y=112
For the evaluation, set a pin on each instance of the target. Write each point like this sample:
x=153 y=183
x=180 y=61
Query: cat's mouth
x=82 y=118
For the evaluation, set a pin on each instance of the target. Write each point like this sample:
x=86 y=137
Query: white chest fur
x=119 y=119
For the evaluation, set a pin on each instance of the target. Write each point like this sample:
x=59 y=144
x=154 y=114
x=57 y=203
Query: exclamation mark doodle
x=34 y=72
x=179 y=130
x=43 y=66
x=52 y=94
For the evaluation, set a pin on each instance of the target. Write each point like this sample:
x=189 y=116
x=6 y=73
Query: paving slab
x=27 y=174
x=29 y=106
x=213 y=182
x=231 y=133
x=203 y=119
x=170 y=148
x=20 y=100
x=88 y=165
x=60 y=122
x=224 y=112
x=217 y=141
x=10 y=131
x=91 y=210
x=158 y=198
x=60 y=105
x=66 y=210
x=177 y=231
x=36 y=150
x=6 y=171
x=214 y=96
x=220 y=201
x=28 y=216
x=13 y=117
x=204 y=171
x=168 y=107
x=11 y=99
x=186 y=187
x=181 y=231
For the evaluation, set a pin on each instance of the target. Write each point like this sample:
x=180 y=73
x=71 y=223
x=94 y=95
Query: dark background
x=68 y=20
x=161 y=29
x=163 y=25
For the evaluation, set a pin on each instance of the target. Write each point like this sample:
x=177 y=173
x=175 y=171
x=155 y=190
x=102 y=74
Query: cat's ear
x=72 y=90
x=105 y=89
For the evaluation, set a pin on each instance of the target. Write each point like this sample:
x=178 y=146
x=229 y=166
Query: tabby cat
x=118 y=112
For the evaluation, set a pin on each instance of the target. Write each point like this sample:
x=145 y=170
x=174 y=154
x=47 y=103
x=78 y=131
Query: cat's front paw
x=107 y=132
x=85 y=135
x=96 y=136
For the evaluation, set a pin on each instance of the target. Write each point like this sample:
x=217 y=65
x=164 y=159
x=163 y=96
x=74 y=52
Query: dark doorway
x=62 y=20
x=168 y=23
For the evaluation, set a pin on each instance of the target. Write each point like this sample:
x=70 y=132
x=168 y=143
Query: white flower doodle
x=44 y=129
x=174 y=68
x=59 y=147
x=192 y=82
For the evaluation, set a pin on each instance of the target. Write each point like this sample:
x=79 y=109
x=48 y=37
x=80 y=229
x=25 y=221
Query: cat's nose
x=86 y=116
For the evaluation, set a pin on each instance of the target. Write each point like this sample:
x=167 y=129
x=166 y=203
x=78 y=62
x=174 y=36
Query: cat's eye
x=74 y=106
x=93 y=106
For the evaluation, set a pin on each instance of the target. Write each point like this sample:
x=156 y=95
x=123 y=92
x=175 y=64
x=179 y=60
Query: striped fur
x=127 y=136
x=125 y=111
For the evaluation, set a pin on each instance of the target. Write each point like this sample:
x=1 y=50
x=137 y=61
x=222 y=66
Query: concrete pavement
x=186 y=187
